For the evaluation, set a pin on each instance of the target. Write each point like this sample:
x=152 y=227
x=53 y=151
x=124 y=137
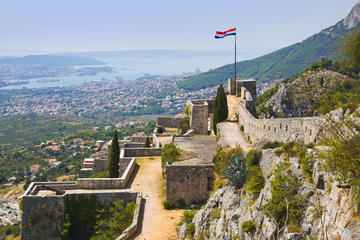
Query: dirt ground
x=158 y=223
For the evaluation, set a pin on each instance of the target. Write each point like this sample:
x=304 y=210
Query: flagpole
x=235 y=61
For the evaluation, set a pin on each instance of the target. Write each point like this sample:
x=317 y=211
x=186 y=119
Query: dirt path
x=158 y=223
x=232 y=102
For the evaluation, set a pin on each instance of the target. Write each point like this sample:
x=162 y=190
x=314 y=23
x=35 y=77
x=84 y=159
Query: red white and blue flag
x=226 y=33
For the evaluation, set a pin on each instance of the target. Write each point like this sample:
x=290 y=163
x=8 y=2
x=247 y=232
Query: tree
x=113 y=165
x=220 y=107
x=147 y=143
x=352 y=48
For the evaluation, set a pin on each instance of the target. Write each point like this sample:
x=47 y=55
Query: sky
x=93 y=25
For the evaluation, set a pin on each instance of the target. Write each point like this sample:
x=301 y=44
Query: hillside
x=284 y=63
x=320 y=89
x=51 y=61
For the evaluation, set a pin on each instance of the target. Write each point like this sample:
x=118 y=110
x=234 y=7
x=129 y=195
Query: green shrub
x=248 y=226
x=104 y=174
x=215 y=213
x=167 y=204
x=343 y=156
x=184 y=125
x=255 y=181
x=272 y=145
x=188 y=216
x=190 y=229
x=278 y=152
x=253 y=157
x=284 y=191
x=112 y=222
x=170 y=153
x=236 y=171
x=223 y=156
x=15 y=230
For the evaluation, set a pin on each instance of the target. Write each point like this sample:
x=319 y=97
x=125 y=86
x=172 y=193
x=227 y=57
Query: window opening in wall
x=269 y=128
x=264 y=126
x=305 y=128
x=280 y=125
x=310 y=132
x=274 y=129
x=286 y=128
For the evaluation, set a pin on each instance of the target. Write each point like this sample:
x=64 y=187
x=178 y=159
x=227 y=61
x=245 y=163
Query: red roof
x=52 y=160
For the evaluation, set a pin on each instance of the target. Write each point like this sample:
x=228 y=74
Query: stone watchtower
x=199 y=116
x=246 y=90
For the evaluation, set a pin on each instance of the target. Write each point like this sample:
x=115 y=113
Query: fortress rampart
x=280 y=129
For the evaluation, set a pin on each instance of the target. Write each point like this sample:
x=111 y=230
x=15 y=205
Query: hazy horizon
x=44 y=27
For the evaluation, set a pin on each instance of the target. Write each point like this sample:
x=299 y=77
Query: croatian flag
x=226 y=33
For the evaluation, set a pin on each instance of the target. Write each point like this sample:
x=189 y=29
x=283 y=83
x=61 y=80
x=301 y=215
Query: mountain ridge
x=51 y=60
x=285 y=62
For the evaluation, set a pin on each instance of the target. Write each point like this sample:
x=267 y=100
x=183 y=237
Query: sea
x=132 y=68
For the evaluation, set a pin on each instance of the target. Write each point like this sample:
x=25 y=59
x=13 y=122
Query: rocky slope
x=298 y=97
x=329 y=212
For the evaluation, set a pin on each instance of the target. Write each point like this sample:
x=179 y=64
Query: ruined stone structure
x=191 y=183
x=191 y=180
x=280 y=129
x=43 y=215
x=169 y=122
x=43 y=210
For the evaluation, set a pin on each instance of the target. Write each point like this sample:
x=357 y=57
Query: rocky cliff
x=328 y=210
x=300 y=96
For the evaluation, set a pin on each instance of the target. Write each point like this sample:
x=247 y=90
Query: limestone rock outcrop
x=296 y=98
x=329 y=212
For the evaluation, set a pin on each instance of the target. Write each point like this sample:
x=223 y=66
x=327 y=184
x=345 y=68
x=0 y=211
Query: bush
x=255 y=181
x=236 y=171
x=167 y=204
x=104 y=174
x=215 y=213
x=272 y=145
x=187 y=216
x=248 y=226
x=284 y=191
x=343 y=157
x=223 y=156
x=110 y=224
x=253 y=157
x=184 y=125
x=170 y=153
x=190 y=229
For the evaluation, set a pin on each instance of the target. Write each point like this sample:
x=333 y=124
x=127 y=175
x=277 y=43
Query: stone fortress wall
x=191 y=183
x=280 y=129
x=169 y=122
x=43 y=215
x=43 y=212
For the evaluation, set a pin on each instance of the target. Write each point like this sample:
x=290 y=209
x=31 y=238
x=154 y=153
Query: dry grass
x=12 y=191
